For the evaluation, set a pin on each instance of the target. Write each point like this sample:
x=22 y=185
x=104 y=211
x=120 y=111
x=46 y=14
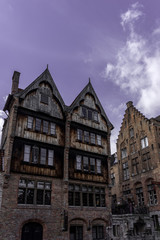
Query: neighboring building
x=54 y=164
x=138 y=153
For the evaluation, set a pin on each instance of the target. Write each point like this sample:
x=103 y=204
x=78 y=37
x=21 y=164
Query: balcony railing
x=129 y=209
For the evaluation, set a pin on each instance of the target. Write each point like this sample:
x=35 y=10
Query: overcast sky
x=114 y=42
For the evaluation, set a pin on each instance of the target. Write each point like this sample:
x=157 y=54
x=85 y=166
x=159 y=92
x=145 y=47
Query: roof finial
x=47 y=66
x=89 y=80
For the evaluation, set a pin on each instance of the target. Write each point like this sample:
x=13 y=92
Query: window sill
x=37 y=165
x=33 y=206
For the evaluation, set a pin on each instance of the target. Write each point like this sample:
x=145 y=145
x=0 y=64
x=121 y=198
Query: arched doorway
x=32 y=231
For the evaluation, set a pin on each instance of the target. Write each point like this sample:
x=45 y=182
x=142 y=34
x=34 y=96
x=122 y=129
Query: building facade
x=138 y=154
x=54 y=181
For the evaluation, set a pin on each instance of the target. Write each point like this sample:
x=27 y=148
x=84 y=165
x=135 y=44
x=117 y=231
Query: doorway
x=32 y=231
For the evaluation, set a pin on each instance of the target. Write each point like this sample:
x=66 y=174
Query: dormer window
x=44 y=98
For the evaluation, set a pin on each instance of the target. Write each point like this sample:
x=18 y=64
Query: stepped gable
x=130 y=105
x=89 y=89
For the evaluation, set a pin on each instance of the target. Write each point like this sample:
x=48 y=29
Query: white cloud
x=137 y=70
x=2 y=116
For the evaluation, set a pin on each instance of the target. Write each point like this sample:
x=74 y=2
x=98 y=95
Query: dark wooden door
x=32 y=231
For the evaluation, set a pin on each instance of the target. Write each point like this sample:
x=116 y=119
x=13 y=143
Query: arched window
x=32 y=231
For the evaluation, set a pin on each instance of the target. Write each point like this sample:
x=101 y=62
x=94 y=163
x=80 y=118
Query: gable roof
x=45 y=76
x=89 y=89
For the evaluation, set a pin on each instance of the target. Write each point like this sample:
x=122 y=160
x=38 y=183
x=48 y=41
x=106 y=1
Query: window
x=89 y=114
x=97 y=232
x=36 y=155
x=44 y=98
x=116 y=230
x=99 y=166
x=152 y=194
x=89 y=137
x=78 y=162
x=144 y=142
x=34 y=192
x=85 y=164
x=133 y=148
x=99 y=140
x=76 y=232
x=131 y=132
x=43 y=156
x=95 y=116
x=88 y=164
x=83 y=195
x=123 y=152
x=155 y=221
x=92 y=164
x=38 y=124
x=53 y=128
x=93 y=138
x=135 y=164
x=125 y=171
x=50 y=157
x=30 y=122
x=79 y=134
x=112 y=179
x=140 y=198
x=27 y=150
x=45 y=127
x=86 y=136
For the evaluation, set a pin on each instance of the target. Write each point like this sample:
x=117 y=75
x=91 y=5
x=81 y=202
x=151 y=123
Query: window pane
x=77 y=199
x=86 y=136
x=40 y=196
x=35 y=155
x=27 y=150
x=40 y=185
x=30 y=196
x=50 y=157
x=98 y=166
x=85 y=164
x=44 y=98
x=21 y=196
x=93 y=138
x=84 y=112
x=43 y=156
x=53 y=128
x=22 y=183
x=95 y=116
x=79 y=134
x=91 y=203
x=30 y=122
x=92 y=164
x=47 y=197
x=99 y=139
x=38 y=124
x=45 y=126
x=78 y=162
x=85 y=199
x=70 y=198
x=90 y=114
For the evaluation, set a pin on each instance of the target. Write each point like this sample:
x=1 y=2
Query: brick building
x=54 y=164
x=138 y=164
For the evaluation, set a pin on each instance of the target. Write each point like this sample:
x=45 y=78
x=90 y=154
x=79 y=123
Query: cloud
x=2 y=116
x=136 y=70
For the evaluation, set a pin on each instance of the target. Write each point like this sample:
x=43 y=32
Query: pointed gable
x=42 y=95
x=89 y=99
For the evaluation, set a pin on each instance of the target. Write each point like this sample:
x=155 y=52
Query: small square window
x=44 y=98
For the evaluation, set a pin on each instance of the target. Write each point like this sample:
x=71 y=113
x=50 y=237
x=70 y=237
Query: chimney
x=15 y=82
x=129 y=104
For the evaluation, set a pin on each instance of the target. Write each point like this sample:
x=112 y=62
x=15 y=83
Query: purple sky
x=114 y=42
